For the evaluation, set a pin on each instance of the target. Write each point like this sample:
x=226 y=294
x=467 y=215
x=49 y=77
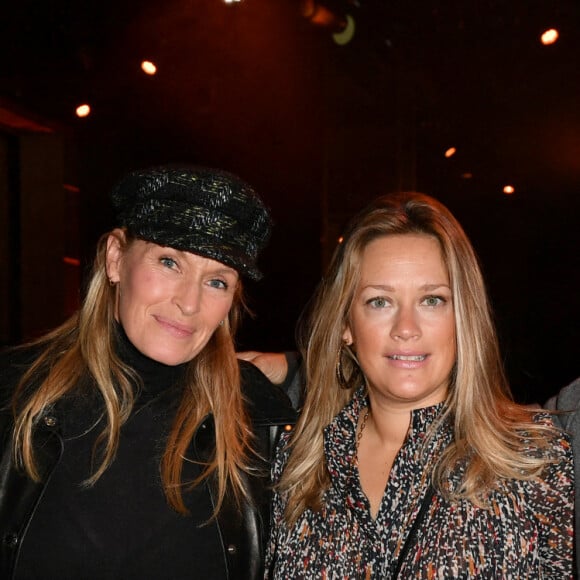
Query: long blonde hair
x=83 y=348
x=487 y=423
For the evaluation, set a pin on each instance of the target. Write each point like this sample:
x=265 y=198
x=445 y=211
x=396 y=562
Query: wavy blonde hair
x=487 y=424
x=84 y=346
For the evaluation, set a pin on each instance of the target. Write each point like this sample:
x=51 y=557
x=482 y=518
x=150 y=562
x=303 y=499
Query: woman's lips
x=175 y=328
x=408 y=357
x=407 y=361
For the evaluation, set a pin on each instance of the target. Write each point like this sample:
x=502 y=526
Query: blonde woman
x=133 y=446
x=410 y=458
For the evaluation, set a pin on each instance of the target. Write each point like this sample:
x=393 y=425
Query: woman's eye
x=377 y=302
x=168 y=262
x=433 y=301
x=220 y=284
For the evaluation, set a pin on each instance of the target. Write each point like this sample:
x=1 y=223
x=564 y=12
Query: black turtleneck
x=156 y=378
x=122 y=527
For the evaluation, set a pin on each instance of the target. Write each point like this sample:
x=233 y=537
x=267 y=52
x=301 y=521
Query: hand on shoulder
x=273 y=364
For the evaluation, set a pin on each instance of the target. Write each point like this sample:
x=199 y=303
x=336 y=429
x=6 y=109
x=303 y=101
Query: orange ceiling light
x=341 y=25
x=83 y=110
x=148 y=67
x=549 y=36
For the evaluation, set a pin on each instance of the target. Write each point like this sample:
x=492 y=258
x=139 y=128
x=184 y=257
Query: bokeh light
x=549 y=36
x=83 y=110
x=148 y=67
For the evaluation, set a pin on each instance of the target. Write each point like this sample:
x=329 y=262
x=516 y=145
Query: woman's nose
x=188 y=298
x=405 y=325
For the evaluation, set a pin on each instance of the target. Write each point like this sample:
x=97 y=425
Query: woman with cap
x=410 y=459
x=134 y=444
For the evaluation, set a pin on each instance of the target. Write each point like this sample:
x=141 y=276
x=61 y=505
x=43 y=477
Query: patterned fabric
x=527 y=532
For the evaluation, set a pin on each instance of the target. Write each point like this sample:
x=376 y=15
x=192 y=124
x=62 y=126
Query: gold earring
x=343 y=381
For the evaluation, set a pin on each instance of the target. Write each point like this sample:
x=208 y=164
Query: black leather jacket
x=243 y=531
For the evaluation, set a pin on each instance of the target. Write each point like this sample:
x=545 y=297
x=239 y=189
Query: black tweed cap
x=205 y=211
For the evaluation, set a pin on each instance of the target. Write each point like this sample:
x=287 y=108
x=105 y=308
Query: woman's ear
x=115 y=244
x=347 y=336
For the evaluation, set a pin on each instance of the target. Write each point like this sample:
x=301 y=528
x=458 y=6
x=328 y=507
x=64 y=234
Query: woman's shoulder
x=545 y=421
x=549 y=494
x=547 y=439
x=545 y=464
x=19 y=355
x=14 y=362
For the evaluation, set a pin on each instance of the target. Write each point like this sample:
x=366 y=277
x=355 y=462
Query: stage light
x=508 y=189
x=549 y=36
x=345 y=36
x=341 y=25
x=450 y=152
x=83 y=110
x=148 y=67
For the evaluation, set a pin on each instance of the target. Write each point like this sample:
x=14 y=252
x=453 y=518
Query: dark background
x=318 y=128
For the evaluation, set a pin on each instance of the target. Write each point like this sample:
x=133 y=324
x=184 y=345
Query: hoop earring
x=344 y=382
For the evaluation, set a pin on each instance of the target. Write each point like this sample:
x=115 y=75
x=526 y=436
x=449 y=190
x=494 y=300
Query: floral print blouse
x=526 y=533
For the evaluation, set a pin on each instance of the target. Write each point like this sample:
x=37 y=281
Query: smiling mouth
x=174 y=327
x=410 y=358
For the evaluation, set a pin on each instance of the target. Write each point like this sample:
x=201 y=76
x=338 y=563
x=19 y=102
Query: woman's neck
x=390 y=420
x=389 y=427
x=155 y=376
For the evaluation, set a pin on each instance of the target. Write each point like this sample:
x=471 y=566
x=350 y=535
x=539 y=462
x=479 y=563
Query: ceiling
x=434 y=74
x=320 y=128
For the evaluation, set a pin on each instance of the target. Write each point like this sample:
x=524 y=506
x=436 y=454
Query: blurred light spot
x=322 y=16
x=341 y=25
x=83 y=111
x=231 y=1
x=345 y=36
x=148 y=67
x=466 y=175
x=450 y=152
x=71 y=261
x=549 y=36
x=341 y=239
x=508 y=189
